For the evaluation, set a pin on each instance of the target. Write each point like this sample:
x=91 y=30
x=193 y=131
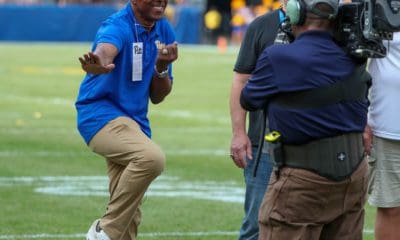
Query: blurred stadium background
x=52 y=186
x=195 y=21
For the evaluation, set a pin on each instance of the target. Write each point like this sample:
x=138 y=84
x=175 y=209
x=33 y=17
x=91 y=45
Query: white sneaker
x=102 y=235
x=95 y=233
x=92 y=234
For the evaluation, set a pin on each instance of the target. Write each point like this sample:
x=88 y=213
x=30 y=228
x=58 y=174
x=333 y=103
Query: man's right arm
x=240 y=145
x=101 y=60
x=252 y=45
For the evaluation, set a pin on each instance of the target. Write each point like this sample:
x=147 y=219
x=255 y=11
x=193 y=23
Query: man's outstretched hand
x=91 y=63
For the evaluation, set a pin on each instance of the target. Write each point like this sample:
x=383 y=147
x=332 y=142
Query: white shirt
x=384 y=111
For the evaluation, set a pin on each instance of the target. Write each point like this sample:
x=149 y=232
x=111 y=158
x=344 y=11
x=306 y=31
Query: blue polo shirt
x=105 y=97
x=313 y=60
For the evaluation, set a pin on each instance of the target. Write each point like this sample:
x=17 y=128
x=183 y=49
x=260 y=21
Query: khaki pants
x=305 y=206
x=133 y=162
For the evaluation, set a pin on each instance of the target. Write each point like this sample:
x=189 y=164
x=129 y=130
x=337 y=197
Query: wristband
x=162 y=74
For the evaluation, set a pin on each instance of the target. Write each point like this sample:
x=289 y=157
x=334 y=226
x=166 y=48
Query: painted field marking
x=163 y=186
x=141 y=235
x=68 y=130
x=177 y=113
x=168 y=152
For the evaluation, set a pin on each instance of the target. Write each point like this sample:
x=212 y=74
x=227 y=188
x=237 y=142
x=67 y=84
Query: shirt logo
x=341 y=156
x=137 y=50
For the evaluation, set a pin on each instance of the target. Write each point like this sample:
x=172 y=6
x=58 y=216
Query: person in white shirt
x=382 y=136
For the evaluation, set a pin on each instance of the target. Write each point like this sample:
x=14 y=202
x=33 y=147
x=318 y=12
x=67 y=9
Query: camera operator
x=316 y=98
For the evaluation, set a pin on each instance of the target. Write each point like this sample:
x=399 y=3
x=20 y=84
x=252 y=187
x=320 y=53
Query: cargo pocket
x=306 y=199
x=272 y=202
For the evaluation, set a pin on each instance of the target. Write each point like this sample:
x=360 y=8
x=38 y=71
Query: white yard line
x=39 y=100
x=141 y=235
x=173 y=152
x=171 y=113
x=163 y=186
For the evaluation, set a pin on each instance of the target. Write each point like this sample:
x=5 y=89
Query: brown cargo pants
x=302 y=205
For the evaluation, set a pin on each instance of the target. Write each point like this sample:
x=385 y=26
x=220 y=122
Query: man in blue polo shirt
x=316 y=98
x=130 y=64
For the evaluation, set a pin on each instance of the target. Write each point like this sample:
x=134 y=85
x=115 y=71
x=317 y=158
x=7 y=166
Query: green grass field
x=53 y=187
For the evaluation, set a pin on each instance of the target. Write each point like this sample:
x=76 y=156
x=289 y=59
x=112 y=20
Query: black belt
x=335 y=158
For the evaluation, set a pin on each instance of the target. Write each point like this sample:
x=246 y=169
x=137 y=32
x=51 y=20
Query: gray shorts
x=384 y=162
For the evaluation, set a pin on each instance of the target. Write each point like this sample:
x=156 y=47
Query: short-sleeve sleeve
x=247 y=57
x=112 y=33
x=260 y=34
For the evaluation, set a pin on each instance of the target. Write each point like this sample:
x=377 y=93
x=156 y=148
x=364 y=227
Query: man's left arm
x=161 y=83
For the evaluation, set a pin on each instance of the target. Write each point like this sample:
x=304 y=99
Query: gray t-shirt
x=261 y=33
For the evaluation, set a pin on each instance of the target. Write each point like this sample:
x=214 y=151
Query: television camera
x=362 y=25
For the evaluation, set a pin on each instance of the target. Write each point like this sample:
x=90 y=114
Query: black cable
x=260 y=143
